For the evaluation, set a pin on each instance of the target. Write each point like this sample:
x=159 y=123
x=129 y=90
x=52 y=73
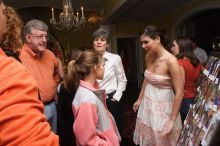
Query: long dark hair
x=186 y=50
x=153 y=32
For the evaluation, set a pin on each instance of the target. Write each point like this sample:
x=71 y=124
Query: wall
x=67 y=39
x=168 y=21
x=174 y=18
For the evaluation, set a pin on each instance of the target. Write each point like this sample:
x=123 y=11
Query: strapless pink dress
x=154 y=111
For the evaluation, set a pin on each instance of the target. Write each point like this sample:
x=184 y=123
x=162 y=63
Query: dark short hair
x=101 y=32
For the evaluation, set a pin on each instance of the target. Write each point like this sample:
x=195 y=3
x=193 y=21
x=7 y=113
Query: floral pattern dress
x=154 y=111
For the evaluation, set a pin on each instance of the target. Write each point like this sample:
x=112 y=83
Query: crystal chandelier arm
x=52 y=10
x=69 y=21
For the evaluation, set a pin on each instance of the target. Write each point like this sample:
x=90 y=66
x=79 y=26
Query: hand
x=56 y=98
x=136 y=105
x=167 y=127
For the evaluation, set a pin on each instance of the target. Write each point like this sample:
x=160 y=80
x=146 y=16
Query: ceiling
x=124 y=12
x=144 y=10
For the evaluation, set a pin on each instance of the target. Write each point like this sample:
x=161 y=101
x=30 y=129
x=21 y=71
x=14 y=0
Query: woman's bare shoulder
x=171 y=59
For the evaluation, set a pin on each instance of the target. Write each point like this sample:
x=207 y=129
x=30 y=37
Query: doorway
x=127 y=48
x=202 y=25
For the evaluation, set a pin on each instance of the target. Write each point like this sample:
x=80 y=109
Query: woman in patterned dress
x=158 y=120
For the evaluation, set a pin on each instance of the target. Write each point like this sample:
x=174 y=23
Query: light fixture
x=68 y=20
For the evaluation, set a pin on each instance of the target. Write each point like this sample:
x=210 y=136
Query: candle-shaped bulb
x=82 y=12
x=52 y=10
x=77 y=16
x=66 y=10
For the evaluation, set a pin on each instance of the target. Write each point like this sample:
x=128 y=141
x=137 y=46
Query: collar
x=106 y=56
x=95 y=88
x=29 y=51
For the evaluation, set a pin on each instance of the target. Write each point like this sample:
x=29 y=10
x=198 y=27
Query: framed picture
x=209 y=134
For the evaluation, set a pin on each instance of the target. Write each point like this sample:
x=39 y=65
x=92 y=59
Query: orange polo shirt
x=22 y=121
x=44 y=68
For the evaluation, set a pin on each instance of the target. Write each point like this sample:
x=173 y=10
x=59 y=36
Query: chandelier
x=68 y=20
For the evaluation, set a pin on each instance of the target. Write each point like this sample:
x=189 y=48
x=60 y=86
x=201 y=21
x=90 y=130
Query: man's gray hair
x=34 y=24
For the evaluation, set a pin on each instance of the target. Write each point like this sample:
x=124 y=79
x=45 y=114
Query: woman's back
x=191 y=76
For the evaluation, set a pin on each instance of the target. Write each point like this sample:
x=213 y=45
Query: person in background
x=74 y=53
x=125 y=62
x=84 y=48
x=183 y=49
x=93 y=124
x=114 y=81
x=12 y=35
x=22 y=120
x=216 y=44
x=42 y=63
x=65 y=112
x=158 y=120
x=199 y=52
x=50 y=46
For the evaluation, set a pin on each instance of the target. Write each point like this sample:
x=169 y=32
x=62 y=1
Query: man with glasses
x=22 y=121
x=43 y=64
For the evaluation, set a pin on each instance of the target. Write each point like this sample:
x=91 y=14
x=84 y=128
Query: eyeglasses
x=40 y=37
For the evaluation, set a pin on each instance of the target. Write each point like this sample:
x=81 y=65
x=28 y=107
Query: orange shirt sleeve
x=22 y=121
